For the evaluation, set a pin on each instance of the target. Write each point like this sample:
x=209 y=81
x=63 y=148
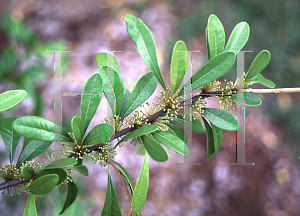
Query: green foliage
x=99 y=134
x=43 y=185
x=71 y=196
x=195 y=124
x=155 y=149
x=215 y=36
x=78 y=128
x=127 y=176
x=247 y=98
x=221 y=118
x=62 y=174
x=30 y=209
x=27 y=172
x=238 y=38
x=62 y=163
x=259 y=63
x=82 y=169
x=11 y=98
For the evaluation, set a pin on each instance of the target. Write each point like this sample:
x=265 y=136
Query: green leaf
x=260 y=79
x=62 y=163
x=63 y=188
x=218 y=137
x=31 y=149
x=43 y=185
x=143 y=89
x=140 y=150
x=247 y=97
x=71 y=196
x=176 y=130
x=111 y=205
x=114 y=87
x=259 y=63
x=221 y=118
x=125 y=99
x=216 y=35
x=207 y=44
x=195 y=125
x=10 y=137
x=209 y=139
x=171 y=141
x=11 y=98
x=62 y=174
x=238 y=38
x=138 y=132
x=127 y=176
x=103 y=59
x=82 y=169
x=141 y=187
x=213 y=69
x=155 y=149
x=27 y=172
x=30 y=208
x=78 y=129
x=90 y=99
x=38 y=128
x=177 y=65
x=99 y=134
x=142 y=37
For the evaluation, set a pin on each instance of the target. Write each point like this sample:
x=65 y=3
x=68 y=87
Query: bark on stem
x=272 y=91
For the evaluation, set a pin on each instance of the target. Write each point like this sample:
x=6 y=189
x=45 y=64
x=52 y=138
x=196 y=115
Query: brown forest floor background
x=270 y=187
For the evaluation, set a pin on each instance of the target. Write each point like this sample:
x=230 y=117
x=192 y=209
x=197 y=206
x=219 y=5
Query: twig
x=272 y=91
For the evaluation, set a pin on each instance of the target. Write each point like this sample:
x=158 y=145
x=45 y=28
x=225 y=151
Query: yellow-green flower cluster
x=102 y=154
x=136 y=119
x=116 y=121
x=75 y=148
x=211 y=86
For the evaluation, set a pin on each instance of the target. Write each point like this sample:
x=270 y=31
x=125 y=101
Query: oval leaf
x=172 y=141
x=238 y=38
x=260 y=79
x=11 y=98
x=43 y=185
x=71 y=196
x=104 y=59
x=142 y=37
x=62 y=174
x=141 y=187
x=111 y=205
x=62 y=163
x=176 y=130
x=27 y=172
x=216 y=35
x=10 y=137
x=259 y=63
x=99 y=134
x=143 y=89
x=30 y=208
x=31 y=149
x=155 y=149
x=38 y=128
x=78 y=129
x=82 y=169
x=247 y=98
x=195 y=125
x=90 y=99
x=221 y=118
x=138 y=132
x=177 y=65
x=213 y=69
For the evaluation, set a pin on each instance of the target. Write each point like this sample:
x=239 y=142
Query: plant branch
x=11 y=183
x=272 y=91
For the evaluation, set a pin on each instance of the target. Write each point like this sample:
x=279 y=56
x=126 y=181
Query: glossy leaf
x=125 y=99
x=259 y=63
x=209 y=139
x=11 y=98
x=62 y=174
x=90 y=99
x=195 y=125
x=99 y=134
x=140 y=150
x=127 y=176
x=221 y=118
x=82 y=169
x=155 y=149
x=31 y=149
x=43 y=185
x=216 y=36
x=111 y=205
x=142 y=37
x=218 y=137
x=71 y=196
x=207 y=44
x=213 y=69
x=103 y=59
x=62 y=163
x=10 y=137
x=138 y=132
x=176 y=130
x=171 y=141
x=30 y=208
x=38 y=128
x=27 y=172
x=78 y=128
x=141 y=187
x=143 y=89
x=114 y=88
x=260 y=79
x=177 y=65
x=238 y=38
x=247 y=98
